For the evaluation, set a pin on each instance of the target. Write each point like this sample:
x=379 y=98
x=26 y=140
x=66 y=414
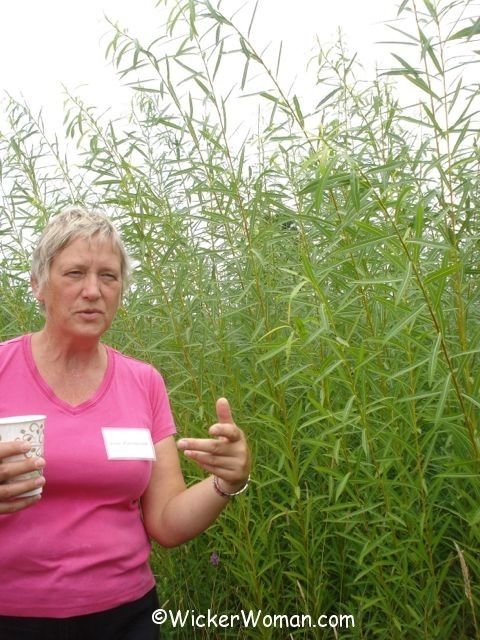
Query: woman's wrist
x=226 y=490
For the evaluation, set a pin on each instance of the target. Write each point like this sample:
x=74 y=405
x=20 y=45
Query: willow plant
x=320 y=272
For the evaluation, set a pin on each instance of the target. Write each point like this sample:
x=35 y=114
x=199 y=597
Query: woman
x=74 y=560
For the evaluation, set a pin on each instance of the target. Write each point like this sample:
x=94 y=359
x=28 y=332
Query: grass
x=323 y=275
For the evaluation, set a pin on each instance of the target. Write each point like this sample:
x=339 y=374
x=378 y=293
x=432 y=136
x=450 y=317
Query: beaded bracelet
x=224 y=494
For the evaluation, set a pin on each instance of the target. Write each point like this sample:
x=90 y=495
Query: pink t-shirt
x=83 y=547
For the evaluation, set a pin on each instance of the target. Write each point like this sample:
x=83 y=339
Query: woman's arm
x=174 y=514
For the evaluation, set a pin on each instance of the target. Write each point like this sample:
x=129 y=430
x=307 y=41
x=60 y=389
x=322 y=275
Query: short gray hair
x=67 y=226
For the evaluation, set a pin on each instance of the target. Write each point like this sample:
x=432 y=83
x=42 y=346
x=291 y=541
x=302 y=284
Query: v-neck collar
x=49 y=392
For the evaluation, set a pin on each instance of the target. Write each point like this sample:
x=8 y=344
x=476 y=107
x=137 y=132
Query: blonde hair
x=68 y=225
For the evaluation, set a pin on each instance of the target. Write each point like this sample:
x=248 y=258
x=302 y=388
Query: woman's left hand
x=226 y=454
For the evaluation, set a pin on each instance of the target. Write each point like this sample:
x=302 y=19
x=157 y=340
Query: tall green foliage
x=323 y=275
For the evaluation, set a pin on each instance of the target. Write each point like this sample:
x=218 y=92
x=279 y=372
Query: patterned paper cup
x=28 y=429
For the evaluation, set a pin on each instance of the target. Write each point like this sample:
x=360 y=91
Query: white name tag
x=128 y=444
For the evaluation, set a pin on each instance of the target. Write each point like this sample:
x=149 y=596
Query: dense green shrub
x=323 y=275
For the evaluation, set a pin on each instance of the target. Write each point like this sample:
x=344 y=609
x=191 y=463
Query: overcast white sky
x=44 y=43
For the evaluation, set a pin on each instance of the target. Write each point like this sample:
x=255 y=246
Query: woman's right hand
x=9 y=502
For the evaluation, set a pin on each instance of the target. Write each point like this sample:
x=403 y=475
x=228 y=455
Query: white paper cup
x=26 y=429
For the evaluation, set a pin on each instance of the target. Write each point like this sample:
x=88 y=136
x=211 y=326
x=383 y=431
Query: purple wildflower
x=214 y=559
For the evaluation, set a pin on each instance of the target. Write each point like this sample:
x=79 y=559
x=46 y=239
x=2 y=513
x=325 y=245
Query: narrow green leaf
x=355 y=191
x=216 y=15
x=329 y=95
x=252 y=19
x=341 y=486
x=456 y=93
x=288 y=346
x=191 y=11
x=167 y=123
x=443 y=397
x=219 y=59
x=291 y=374
x=244 y=75
x=371 y=545
x=442 y=273
x=268 y=96
x=460 y=138
x=431 y=9
x=419 y=211
x=433 y=119
x=412 y=75
x=403 y=322
x=293 y=294
x=279 y=58
x=405 y=282
x=468 y=32
x=298 y=111
x=203 y=87
x=432 y=365
x=426 y=46
x=271 y=353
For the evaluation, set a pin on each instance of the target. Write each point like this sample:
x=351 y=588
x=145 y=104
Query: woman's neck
x=67 y=352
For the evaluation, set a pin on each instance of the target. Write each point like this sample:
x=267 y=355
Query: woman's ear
x=36 y=290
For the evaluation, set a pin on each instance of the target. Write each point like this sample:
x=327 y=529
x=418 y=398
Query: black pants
x=131 y=621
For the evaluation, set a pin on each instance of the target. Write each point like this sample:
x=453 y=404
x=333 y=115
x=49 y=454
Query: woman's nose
x=91 y=287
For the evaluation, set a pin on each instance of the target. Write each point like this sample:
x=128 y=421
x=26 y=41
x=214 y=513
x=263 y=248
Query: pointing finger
x=224 y=436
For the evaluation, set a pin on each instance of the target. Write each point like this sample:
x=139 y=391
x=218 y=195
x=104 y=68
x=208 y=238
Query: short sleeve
x=163 y=424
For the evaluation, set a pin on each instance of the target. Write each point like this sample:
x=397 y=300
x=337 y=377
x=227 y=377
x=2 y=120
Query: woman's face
x=84 y=288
